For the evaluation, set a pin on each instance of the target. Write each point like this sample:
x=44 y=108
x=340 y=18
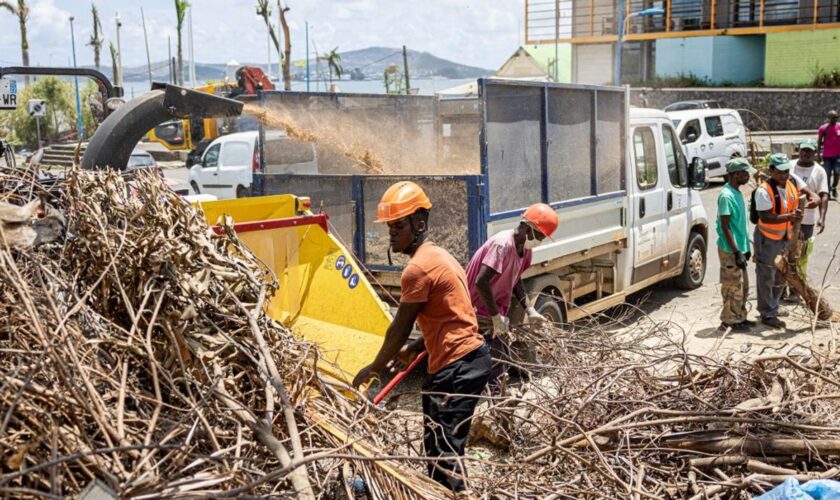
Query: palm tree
x=181 y=7
x=287 y=47
x=334 y=64
x=95 y=39
x=22 y=12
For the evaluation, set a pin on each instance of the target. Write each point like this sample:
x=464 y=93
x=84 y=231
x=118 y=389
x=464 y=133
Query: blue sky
x=477 y=32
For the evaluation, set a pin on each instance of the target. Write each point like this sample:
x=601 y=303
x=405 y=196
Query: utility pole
x=405 y=64
x=190 y=40
x=556 y=37
x=119 y=78
x=79 y=125
x=146 y=38
x=169 y=59
x=307 y=56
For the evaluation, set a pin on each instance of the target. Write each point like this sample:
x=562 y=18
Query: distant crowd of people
x=775 y=209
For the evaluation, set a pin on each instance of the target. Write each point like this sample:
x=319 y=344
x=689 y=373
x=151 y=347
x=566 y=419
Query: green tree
x=61 y=111
x=181 y=7
x=21 y=11
x=96 y=38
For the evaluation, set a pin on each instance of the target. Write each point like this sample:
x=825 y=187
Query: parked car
x=227 y=165
x=141 y=159
x=698 y=104
x=713 y=135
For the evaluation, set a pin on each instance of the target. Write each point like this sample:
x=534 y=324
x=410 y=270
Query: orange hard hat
x=400 y=200
x=543 y=217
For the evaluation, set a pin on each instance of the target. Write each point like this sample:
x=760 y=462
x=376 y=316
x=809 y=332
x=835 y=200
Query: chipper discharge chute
x=323 y=295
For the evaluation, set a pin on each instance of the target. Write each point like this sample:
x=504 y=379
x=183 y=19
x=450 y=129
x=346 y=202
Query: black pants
x=447 y=414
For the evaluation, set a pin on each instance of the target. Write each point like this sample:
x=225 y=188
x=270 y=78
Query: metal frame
x=544 y=172
x=666 y=32
x=476 y=225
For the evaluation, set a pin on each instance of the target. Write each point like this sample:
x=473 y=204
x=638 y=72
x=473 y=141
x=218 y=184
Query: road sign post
x=37 y=108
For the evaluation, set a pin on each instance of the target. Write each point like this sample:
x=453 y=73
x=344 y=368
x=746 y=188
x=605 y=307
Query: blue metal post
x=307 y=56
x=619 y=45
x=79 y=123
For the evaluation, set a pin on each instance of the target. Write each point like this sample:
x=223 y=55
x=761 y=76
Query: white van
x=713 y=135
x=227 y=165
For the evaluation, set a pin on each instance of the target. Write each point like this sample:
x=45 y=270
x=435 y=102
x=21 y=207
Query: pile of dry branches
x=635 y=415
x=134 y=349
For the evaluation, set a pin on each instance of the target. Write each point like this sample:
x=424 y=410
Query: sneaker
x=773 y=322
x=750 y=323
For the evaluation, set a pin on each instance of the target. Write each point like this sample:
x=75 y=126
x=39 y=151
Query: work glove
x=532 y=316
x=740 y=260
x=748 y=256
x=501 y=325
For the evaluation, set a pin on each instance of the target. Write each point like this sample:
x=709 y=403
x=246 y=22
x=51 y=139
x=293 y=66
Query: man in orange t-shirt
x=434 y=293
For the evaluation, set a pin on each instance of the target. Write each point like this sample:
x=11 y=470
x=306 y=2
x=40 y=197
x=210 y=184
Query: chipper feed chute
x=323 y=296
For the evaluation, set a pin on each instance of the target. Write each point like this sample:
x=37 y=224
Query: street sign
x=8 y=94
x=37 y=107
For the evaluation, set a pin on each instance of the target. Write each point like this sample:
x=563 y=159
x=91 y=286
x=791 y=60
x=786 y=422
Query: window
x=691 y=128
x=211 y=157
x=677 y=168
x=713 y=126
x=171 y=132
x=644 y=150
x=731 y=125
x=237 y=154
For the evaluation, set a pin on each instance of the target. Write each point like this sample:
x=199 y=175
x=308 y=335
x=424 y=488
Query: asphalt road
x=697 y=312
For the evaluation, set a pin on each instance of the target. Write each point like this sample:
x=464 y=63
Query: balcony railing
x=597 y=20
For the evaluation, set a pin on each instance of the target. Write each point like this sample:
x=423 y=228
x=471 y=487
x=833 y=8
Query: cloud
x=477 y=32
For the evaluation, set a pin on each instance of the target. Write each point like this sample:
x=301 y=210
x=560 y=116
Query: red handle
x=398 y=378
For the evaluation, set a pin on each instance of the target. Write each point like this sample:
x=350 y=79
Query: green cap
x=779 y=161
x=739 y=165
x=808 y=144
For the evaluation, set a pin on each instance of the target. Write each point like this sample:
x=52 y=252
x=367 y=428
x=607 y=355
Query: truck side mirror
x=690 y=138
x=697 y=174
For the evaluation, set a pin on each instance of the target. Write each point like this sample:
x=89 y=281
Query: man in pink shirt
x=829 y=146
x=494 y=277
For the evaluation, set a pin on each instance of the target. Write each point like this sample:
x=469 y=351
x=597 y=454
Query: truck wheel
x=194 y=187
x=694 y=269
x=547 y=306
x=241 y=192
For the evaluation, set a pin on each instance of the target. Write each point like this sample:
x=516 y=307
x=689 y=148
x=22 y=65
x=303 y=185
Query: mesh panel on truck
x=334 y=196
x=447 y=221
x=569 y=134
x=398 y=132
x=610 y=151
x=513 y=145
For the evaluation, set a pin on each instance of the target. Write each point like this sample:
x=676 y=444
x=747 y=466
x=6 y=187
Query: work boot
x=740 y=327
x=773 y=322
x=749 y=323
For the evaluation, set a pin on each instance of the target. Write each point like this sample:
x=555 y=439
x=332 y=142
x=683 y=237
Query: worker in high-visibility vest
x=777 y=204
x=433 y=291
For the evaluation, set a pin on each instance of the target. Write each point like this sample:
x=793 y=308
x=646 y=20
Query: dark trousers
x=832 y=168
x=447 y=414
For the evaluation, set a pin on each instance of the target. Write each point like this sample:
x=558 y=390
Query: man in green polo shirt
x=734 y=247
